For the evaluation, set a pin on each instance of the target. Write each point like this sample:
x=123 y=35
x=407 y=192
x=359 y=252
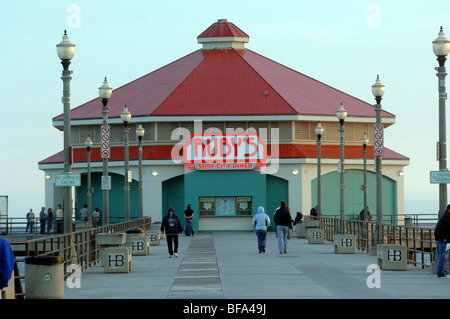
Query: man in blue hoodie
x=6 y=263
x=171 y=226
x=261 y=221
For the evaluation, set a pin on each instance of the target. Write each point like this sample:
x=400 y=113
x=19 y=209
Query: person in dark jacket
x=171 y=226
x=442 y=237
x=283 y=220
x=6 y=263
x=189 y=215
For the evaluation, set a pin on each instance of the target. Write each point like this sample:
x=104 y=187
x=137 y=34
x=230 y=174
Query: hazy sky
x=344 y=44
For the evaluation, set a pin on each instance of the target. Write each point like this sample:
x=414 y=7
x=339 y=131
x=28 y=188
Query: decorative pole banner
x=231 y=151
x=378 y=139
x=106 y=145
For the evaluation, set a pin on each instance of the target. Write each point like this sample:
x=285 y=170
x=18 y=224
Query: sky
x=344 y=44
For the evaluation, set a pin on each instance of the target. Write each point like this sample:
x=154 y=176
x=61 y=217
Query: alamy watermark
x=74 y=19
x=374 y=279
x=374 y=19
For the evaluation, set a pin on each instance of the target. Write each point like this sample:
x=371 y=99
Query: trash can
x=44 y=277
x=134 y=230
x=408 y=221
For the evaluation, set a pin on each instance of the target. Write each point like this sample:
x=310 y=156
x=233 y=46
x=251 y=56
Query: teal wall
x=116 y=196
x=277 y=190
x=265 y=190
x=173 y=196
x=354 y=196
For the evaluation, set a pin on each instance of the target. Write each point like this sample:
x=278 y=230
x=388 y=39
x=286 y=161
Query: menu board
x=225 y=206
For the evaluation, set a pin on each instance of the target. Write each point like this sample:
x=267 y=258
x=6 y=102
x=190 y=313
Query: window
x=225 y=206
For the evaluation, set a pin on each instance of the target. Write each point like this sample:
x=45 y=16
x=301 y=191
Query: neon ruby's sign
x=225 y=151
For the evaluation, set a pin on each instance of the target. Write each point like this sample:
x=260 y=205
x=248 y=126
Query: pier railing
x=78 y=248
x=419 y=241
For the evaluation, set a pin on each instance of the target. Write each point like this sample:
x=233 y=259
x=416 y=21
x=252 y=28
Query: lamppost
x=365 y=141
x=319 y=132
x=105 y=92
x=341 y=115
x=378 y=91
x=140 y=134
x=88 y=144
x=126 y=117
x=66 y=51
x=441 y=48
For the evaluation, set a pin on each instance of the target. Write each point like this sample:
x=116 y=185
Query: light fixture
x=319 y=130
x=125 y=116
x=341 y=114
x=48 y=176
x=378 y=88
x=155 y=173
x=140 y=131
x=294 y=172
x=105 y=91
x=65 y=48
x=88 y=142
x=441 y=46
x=364 y=140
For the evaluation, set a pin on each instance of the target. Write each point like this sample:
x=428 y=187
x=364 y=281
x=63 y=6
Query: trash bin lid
x=134 y=230
x=44 y=260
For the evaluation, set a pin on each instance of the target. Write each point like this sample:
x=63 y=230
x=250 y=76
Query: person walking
x=96 y=218
x=442 y=237
x=171 y=226
x=189 y=226
x=283 y=221
x=49 y=219
x=84 y=213
x=30 y=221
x=261 y=221
x=42 y=219
x=59 y=219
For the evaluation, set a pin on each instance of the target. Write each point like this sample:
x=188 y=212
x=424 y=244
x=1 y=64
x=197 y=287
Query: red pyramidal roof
x=222 y=28
x=225 y=81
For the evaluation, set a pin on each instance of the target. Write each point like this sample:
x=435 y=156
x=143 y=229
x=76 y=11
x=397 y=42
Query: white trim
x=227 y=118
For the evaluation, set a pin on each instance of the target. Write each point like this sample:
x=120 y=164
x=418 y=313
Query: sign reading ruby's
x=230 y=151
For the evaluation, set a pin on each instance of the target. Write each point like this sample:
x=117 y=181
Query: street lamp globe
x=364 y=140
x=378 y=88
x=319 y=130
x=441 y=46
x=105 y=90
x=341 y=114
x=88 y=142
x=140 y=131
x=65 y=48
x=125 y=115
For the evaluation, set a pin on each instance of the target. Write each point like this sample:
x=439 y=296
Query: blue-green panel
x=116 y=196
x=173 y=196
x=354 y=196
x=224 y=183
x=277 y=190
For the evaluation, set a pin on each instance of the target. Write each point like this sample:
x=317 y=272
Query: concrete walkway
x=228 y=266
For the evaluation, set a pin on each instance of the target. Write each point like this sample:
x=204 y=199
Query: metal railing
x=419 y=241
x=79 y=248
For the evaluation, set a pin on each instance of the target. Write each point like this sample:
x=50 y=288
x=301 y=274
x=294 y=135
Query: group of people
x=84 y=213
x=283 y=221
x=171 y=227
x=45 y=220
